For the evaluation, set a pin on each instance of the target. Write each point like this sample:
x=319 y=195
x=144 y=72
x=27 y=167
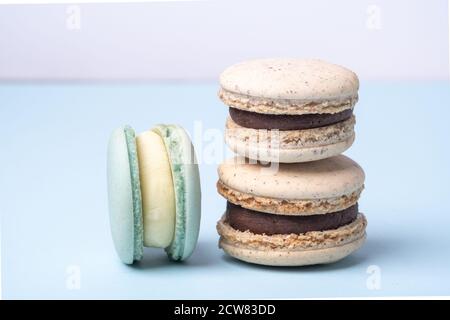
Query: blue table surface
x=55 y=239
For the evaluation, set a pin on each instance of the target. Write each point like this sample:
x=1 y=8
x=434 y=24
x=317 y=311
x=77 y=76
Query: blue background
x=54 y=201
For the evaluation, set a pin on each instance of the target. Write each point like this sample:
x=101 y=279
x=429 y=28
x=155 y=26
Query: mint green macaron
x=127 y=213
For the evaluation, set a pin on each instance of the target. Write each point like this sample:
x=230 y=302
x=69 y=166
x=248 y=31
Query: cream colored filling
x=158 y=196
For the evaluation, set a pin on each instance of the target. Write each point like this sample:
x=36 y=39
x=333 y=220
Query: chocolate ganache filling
x=255 y=120
x=265 y=223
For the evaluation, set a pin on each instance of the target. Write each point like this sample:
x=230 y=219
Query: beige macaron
x=311 y=190
x=289 y=110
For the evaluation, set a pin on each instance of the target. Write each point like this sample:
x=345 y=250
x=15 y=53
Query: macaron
x=294 y=215
x=289 y=110
x=153 y=192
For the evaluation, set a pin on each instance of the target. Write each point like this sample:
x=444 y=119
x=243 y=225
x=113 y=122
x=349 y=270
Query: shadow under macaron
x=155 y=258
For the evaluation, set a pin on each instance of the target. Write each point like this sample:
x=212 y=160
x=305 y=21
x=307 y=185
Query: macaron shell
x=186 y=181
x=296 y=207
x=136 y=193
x=291 y=146
x=290 y=78
x=283 y=258
x=124 y=195
x=256 y=152
x=328 y=178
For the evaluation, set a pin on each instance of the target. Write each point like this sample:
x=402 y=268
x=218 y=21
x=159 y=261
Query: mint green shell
x=186 y=180
x=124 y=195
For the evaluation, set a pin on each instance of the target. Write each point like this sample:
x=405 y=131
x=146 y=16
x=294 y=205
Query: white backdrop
x=196 y=40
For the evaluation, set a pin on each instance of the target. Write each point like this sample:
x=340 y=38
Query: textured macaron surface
x=299 y=79
x=130 y=136
x=124 y=195
x=292 y=145
x=328 y=178
x=304 y=82
x=186 y=180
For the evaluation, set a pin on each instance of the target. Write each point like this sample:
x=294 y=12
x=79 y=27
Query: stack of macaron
x=154 y=192
x=292 y=198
